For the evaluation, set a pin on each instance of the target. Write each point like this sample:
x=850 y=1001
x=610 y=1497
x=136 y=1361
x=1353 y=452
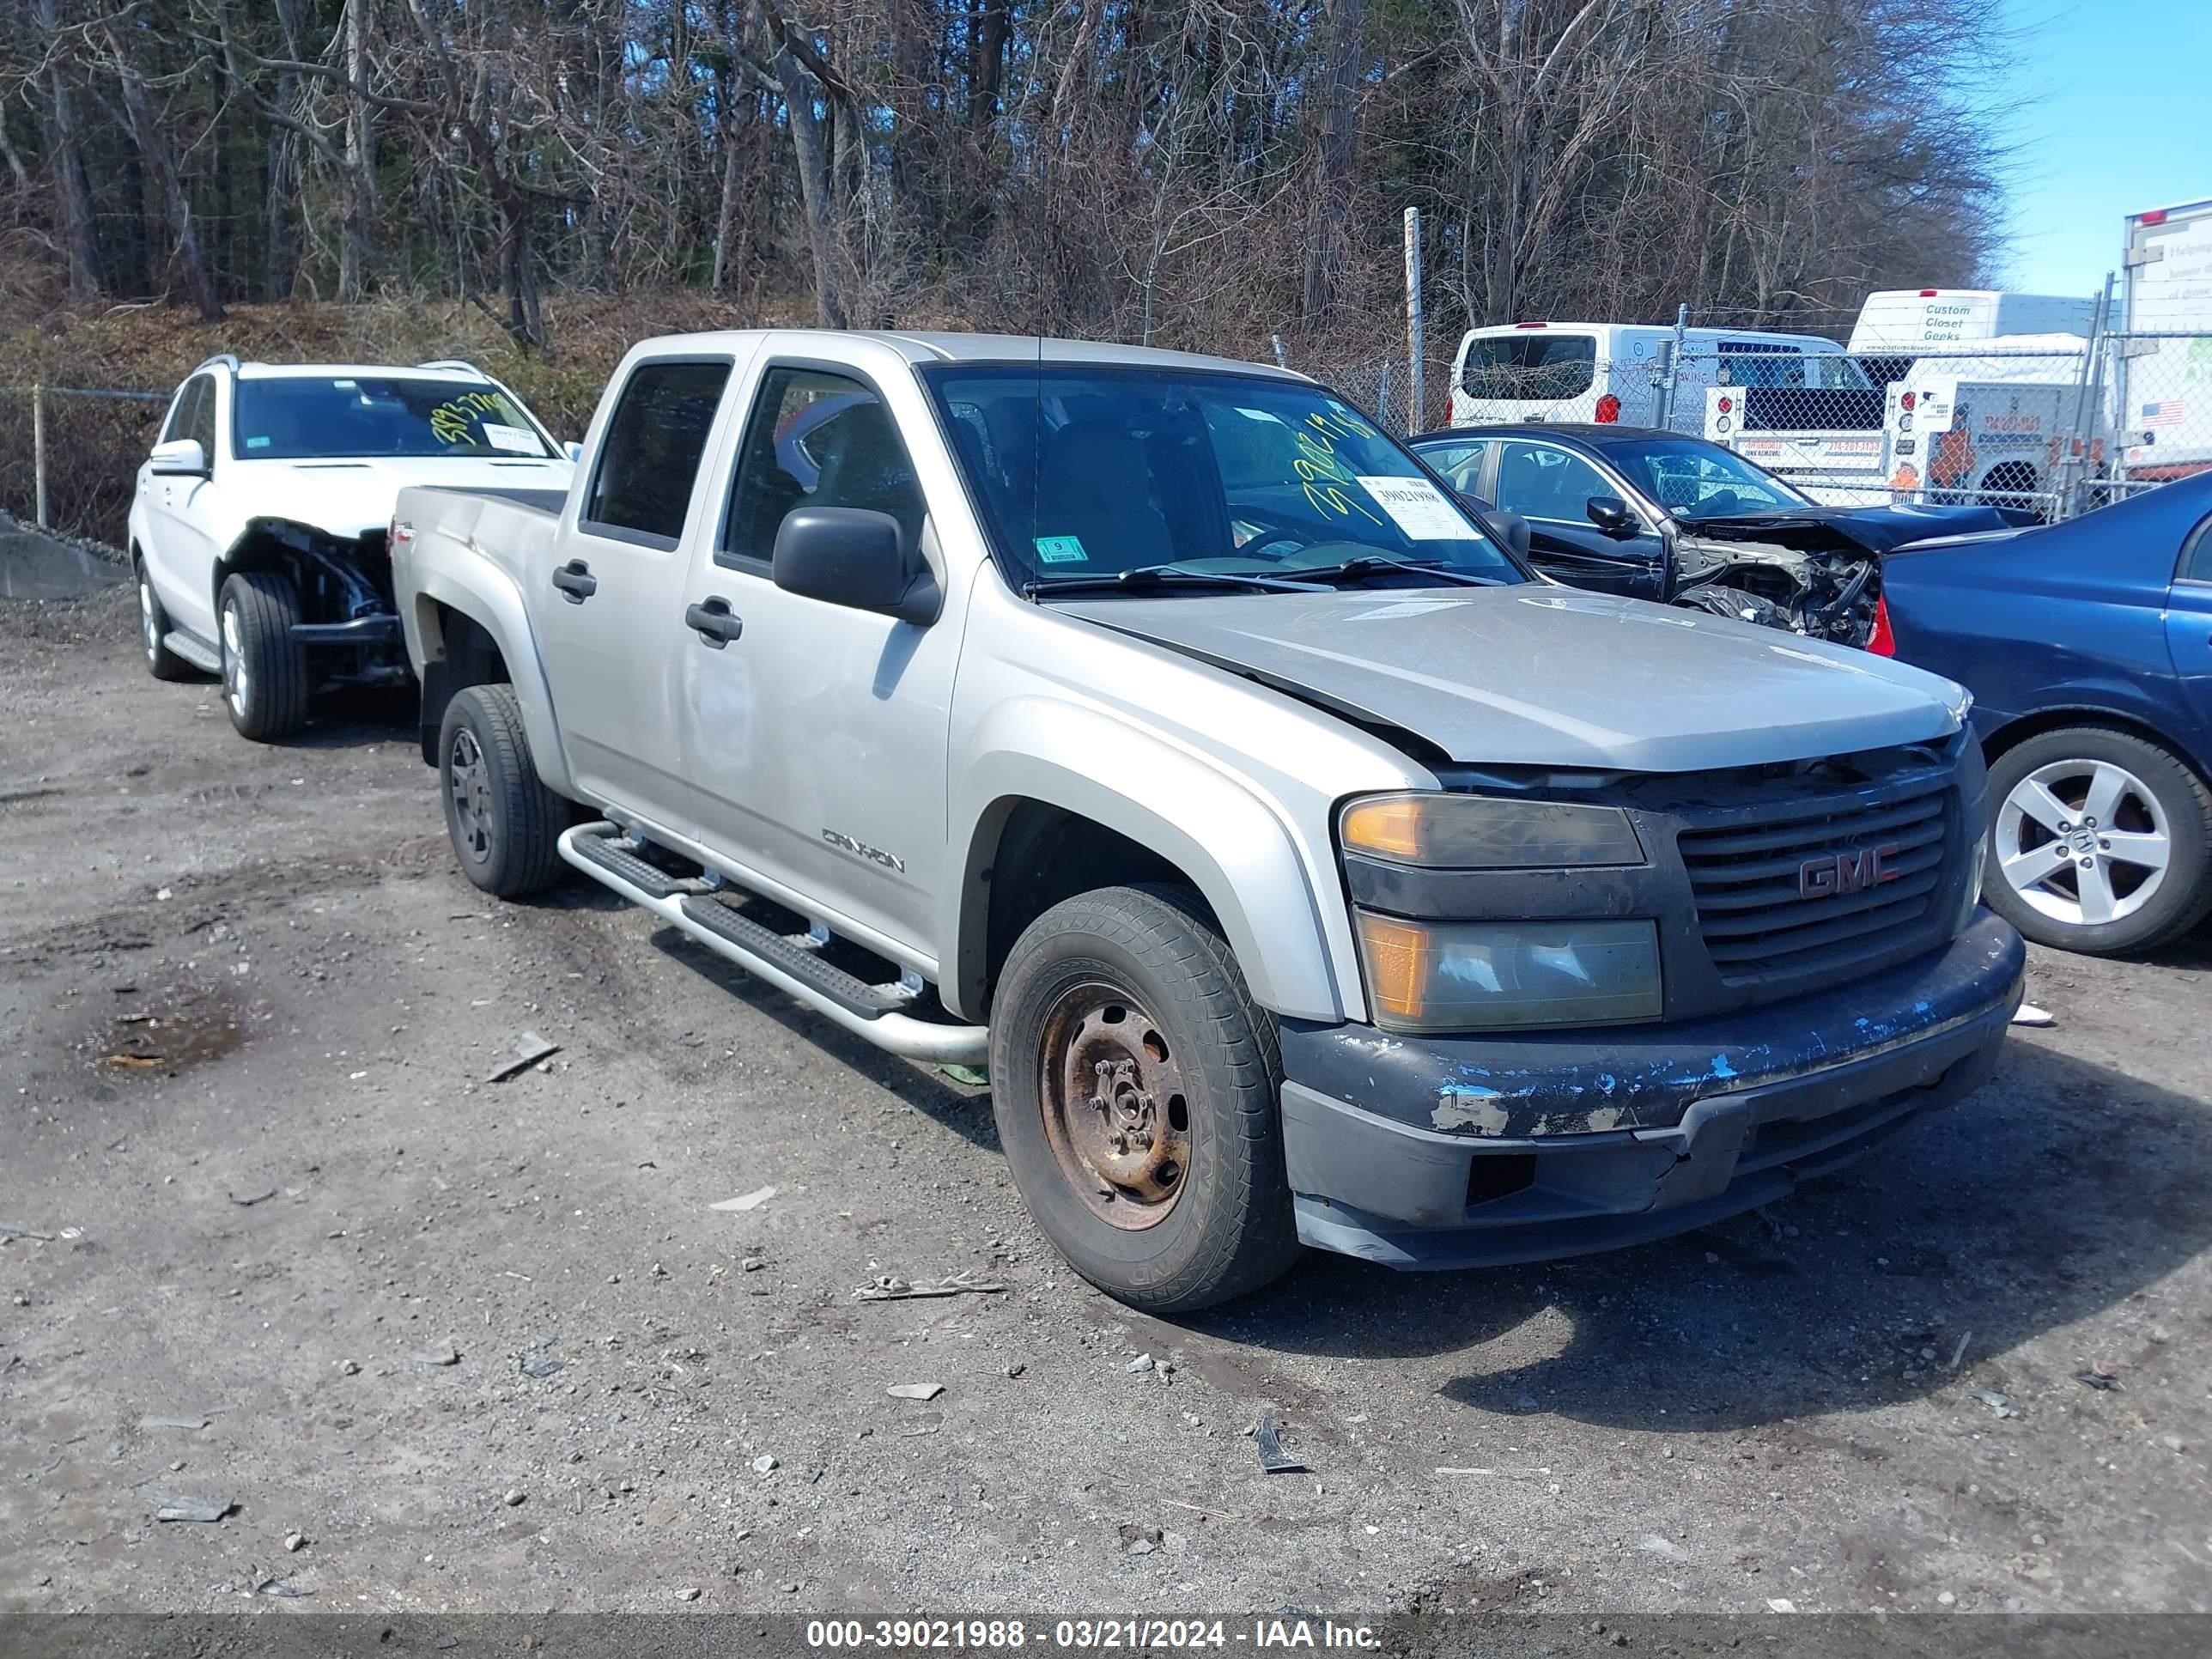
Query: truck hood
x=1551 y=677
x=1855 y=529
x=351 y=497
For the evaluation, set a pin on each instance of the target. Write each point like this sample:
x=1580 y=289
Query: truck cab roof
x=924 y=349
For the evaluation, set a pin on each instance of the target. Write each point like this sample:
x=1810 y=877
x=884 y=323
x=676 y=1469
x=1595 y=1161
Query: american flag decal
x=2167 y=412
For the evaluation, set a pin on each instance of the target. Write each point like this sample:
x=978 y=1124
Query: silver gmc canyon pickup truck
x=1156 y=729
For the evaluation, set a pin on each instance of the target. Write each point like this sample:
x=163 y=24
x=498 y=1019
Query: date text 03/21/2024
x=1128 y=1635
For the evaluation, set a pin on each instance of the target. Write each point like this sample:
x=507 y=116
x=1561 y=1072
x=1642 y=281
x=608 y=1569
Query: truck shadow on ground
x=2059 y=1190
x=966 y=1112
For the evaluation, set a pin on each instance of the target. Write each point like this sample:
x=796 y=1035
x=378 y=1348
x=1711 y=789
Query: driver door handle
x=712 y=621
x=576 y=579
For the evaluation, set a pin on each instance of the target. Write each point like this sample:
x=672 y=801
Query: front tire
x=504 y=823
x=264 y=668
x=1135 y=1086
x=161 y=663
x=2099 y=842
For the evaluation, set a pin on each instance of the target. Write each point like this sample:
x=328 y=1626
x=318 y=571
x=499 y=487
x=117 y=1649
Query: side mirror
x=1613 y=516
x=1510 y=529
x=180 y=458
x=574 y=450
x=852 y=556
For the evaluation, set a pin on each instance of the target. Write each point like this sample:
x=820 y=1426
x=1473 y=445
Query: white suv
x=257 y=529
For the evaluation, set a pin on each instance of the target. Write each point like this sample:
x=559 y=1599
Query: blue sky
x=2107 y=109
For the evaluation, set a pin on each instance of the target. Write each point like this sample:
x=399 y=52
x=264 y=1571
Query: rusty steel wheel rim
x=1115 y=1110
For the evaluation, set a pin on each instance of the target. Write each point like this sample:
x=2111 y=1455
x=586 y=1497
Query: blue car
x=2088 y=645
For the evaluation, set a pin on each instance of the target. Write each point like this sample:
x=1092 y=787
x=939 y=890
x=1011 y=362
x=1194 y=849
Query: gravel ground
x=465 y=1346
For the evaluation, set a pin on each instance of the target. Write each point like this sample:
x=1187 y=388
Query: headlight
x=1487 y=832
x=1485 y=975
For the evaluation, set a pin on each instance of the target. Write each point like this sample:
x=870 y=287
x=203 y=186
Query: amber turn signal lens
x=1389 y=824
x=1397 y=957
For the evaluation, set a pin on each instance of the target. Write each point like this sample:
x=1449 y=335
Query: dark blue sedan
x=2088 y=645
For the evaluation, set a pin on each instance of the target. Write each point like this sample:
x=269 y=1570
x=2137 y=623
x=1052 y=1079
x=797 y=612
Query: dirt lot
x=251 y=1010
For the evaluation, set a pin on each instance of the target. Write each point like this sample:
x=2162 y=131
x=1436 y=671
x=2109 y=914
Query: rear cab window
x=649 y=455
x=1531 y=363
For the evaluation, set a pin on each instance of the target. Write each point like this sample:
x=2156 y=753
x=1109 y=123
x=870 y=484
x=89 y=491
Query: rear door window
x=1460 y=464
x=180 y=417
x=1536 y=365
x=649 y=455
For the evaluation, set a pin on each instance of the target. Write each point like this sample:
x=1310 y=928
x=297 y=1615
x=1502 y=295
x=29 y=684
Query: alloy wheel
x=2084 y=842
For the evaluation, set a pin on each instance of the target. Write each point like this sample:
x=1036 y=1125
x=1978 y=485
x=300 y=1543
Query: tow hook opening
x=1489 y=1179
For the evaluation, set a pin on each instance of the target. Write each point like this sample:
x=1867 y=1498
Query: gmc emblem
x=1836 y=873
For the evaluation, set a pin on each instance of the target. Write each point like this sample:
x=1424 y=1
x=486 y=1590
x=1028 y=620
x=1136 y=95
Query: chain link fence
x=70 y=456
x=2054 y=425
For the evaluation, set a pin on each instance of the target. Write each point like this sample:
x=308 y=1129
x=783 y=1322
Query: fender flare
x=1239 y=854
x=494 y=603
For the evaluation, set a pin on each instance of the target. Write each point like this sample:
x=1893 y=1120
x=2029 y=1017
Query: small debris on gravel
x=687 y=1595
x=1016 y=1369
x=7 y=1230
x=514 y=1497
x=428 y=1359
x=2028 y=1014
x=1273 y=1460
x=1780 y=1604
x=193 y=1509
x=192 y=1423
x=751 y=1201
x=294 y=1542
x=2002 y=1404
x=914 y=1390
x=1652 y=1543
x=348 y=1368
x=251 y=1196
x=530 y=1049
x=763 y=1463
x=1143 y=1362
x=888 y=1289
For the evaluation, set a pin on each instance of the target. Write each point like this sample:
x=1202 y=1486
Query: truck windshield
x=1694 y=479
x=298 y=417
x=1088 y=472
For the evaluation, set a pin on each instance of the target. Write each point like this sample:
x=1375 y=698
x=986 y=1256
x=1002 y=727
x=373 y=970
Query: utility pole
x=1414 y=319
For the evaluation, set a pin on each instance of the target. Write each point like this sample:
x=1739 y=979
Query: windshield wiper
x=1375 y=564
x=1161 y=575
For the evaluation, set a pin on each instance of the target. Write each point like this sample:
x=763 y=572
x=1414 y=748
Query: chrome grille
x=1758 y=926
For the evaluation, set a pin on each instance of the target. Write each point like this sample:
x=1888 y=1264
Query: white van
x=1611 y=373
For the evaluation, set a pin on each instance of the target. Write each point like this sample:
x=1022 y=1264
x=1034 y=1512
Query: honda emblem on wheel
x=1833 y=874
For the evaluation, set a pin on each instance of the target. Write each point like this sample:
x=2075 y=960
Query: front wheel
x=264 y=668
x=1135 y=1082
x=2099 y=842
x=504 y=823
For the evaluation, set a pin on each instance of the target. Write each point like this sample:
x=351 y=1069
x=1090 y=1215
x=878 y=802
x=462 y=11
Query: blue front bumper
x=1462 y=1152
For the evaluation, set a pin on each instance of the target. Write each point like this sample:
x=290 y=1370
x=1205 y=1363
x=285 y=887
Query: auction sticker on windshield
x=512 y=439
x=1417 y=507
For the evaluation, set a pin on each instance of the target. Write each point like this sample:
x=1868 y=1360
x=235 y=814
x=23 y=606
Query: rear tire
x=504 y=823
x=154 y=628
x=2149 y=873
x=264 y=668
x=1171 y=1196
